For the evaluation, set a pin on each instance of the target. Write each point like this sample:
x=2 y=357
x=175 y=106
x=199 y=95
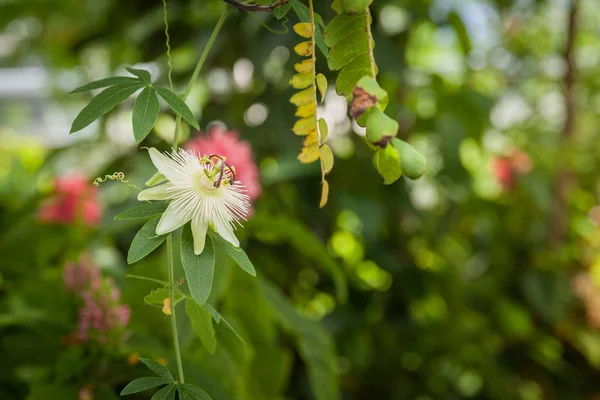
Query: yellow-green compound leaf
x=413 y=163
x=145 y=113
x=321 y=85
x=304 y=15
x=103 y=103
x=304 y=66
x=303 y=97
x=310 y=151
x=323 y=130
x=342 y=26
x=303 y=49
x=326 y=156
x=324 y=194
x=303 y=29
x=199 y=270
x=202 y=324
x=306 y=110
x=380 y=128
x=351 y=73
x=347 y=50
x=388 y=164
x=145 y=241
x=301 y=81
x=305 y=126
x=178 y=106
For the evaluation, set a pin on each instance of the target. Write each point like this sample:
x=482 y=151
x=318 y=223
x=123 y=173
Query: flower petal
x=199 y=232
x=164 y=164
x=159 y=192
x=172 y=219
x=226 y=233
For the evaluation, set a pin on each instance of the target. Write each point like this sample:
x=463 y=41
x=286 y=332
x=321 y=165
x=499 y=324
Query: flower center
x=205 y=184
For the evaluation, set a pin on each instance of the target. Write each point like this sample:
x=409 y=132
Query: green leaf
x=213 y=312
x=113 y=80
x=380 y=128
x=218 y=318
x=194 y=392
x=202 y=324
x=199 y=270
x=282 y=11
x=178 y=106
x=322 y=85
x=342 y=26
x=350 y=6
x=236 y=253
x=145 y=241
x=141 y=384
x=347 y=50
x=157 y=296
x=158 y=368
x=413 y=163
x=103 y=103
x=145 y=113
x=304 y=15
x=143 y=211
x=323 y=130
x=351 y=74
x=166 y=393
x=140 y=73
x=315 y=345
x=388 y=164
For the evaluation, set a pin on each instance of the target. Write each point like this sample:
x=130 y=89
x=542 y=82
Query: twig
x=564 y=179
x=255 y=7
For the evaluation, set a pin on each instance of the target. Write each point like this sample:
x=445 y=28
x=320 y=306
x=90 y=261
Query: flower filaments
x=203 y=191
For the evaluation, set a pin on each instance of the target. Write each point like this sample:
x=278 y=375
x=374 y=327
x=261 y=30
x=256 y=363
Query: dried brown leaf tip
x=361 y=101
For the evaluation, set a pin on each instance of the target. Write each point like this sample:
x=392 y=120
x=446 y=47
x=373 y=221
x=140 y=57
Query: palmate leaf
x=237 y=254
x=145 y=241
x=145 y=113
x=158 y=368
x=191 y=392
x=104 y=102
x=114 y=80
x=140 y=73
x=143 y=211
x=142 y=384
x=199 y=270
x=178 y=106
x=201 y=320
x=166 y=393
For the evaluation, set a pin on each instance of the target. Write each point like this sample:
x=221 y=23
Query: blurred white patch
x=393 y=19
x=424 y=195
x=243 y=69
x=511 y=109
x=552 y=107
x=494 y=141
x=219 y=81
x=256 y=114
x=553 y=66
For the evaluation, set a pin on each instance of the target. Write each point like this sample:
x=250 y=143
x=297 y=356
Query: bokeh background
x=479 y=280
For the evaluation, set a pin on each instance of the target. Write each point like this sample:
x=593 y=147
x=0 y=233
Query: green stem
x=203 y=56
x=172 y=306
x=370 y=43
x=170 y=260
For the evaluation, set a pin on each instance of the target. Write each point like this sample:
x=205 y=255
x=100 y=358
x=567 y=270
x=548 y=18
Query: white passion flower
x=200 y=190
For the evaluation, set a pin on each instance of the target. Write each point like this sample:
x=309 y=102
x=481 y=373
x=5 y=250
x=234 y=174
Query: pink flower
x=74 y=200
x=506 y=169
x=238 y=153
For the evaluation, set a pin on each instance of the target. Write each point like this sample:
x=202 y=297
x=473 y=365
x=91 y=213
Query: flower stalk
x=170 y=253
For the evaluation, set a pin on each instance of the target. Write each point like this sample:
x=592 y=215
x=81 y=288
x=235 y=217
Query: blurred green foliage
x=442 y=288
